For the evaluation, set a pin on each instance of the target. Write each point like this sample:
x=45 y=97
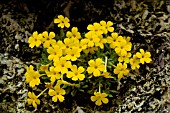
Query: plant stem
x=42 y=92
x=105 y=64
x=99 y=88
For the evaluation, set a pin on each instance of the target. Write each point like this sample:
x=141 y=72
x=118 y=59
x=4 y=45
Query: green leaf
x=113 y=91
x=68 y=90
x=81 y=90
x=73 y=93
x=110 y=95
x=85 y=86
x=90 y=91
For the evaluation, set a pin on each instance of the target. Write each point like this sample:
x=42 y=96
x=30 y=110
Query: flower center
x=76 y=73
x=62 y=65
x=95 y=67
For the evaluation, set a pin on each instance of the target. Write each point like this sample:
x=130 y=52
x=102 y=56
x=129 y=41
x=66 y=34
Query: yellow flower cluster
x=122 y=47
x=66 y=57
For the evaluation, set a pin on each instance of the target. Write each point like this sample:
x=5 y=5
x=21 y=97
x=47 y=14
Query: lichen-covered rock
x=16 y=27
x=151 y=92
x=13 y=88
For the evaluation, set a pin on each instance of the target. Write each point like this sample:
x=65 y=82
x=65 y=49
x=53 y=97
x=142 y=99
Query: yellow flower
x=53 y=74
x=33 y=99
x=121 y=69
x=76 y=73
x=62 y=65
x=96 y=67
x=107 y=26
x=125 y=58
x=96 y=28
x=44 y=68
x=99 y=98
x=144 y=56
x=112 y=40
x=107 y=75
x=57 y=93
x=92 y=39
x=134 y=62
x=54 y=52
x=48 y=39
x=69 y=43
x=101 y=42
x=92 y=50
x=73 y=54
x=61 y=45
x=82 y=44
x=127 y=38
x=32 y=77
x=62 y=21
x=74 y=33
x=35 y=40
x=122 y=46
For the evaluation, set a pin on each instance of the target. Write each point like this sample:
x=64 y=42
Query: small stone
x=20 y=71
x=17 y=46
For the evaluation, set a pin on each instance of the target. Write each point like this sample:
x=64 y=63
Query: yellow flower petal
x=51 y=35
x=67 y=25
x=35 y=34
x=57 y=20
x=37 y=101
x=126 y=72
x=109 y=23
x=45 y=34
x=98 y=61
x=116 y=71
x=54 y=98
x=98 y=102
x=101 y=67
x=138 y=55
x=148 y=60
x=103 y=22
x=105 y=100
x=93 y=98
x=103 y=95
x=61 y=98
x=80 y=69
x=61 y=17
x=51 y=92
x=142 y=51
x=34 y=104
x=81 y=76
x=62 y=92
x=120 y=75
x=147 y=54
x=110 y=29
x=96 y=72
x=74 y=78
x=70 y=74
x=90 y=27
x=32 y=83
x=90 y=69
x=142 y=60
x=29 y=101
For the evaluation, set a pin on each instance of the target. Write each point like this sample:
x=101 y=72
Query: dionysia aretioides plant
x=89 y=61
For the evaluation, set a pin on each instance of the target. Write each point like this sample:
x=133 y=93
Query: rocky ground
x=147 y=22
